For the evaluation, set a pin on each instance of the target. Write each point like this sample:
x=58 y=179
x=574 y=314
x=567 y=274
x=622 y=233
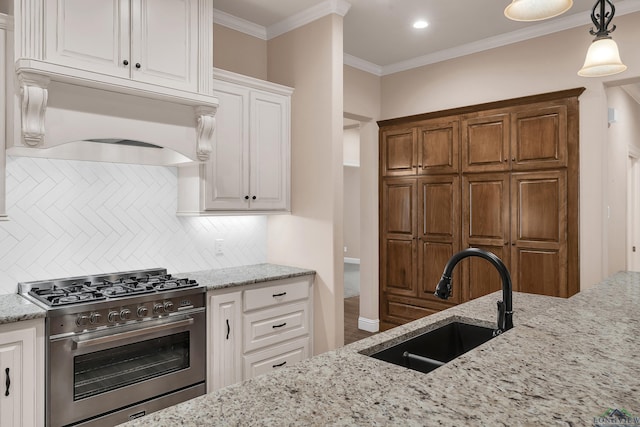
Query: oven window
x=106 y=370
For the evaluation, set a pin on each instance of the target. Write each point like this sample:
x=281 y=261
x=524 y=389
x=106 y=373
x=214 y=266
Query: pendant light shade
x=536 y=10
x=603 y=59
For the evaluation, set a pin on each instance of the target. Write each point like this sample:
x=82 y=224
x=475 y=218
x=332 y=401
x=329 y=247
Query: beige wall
x=535 y=66
x=309 y=59
x=362 y=100
x=239 y=52
x=623 y=132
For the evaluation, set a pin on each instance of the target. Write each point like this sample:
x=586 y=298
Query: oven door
x=101 y=371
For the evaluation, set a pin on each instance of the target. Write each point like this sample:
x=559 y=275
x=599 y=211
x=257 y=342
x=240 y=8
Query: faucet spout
x=505 y=307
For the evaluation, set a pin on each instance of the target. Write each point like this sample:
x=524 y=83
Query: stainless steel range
x=120 y=345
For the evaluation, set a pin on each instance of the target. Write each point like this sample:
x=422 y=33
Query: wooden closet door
x=438 y=142
x=485 y=212
x=399 y=152
x=398 y=268
x=539 y=232
x=539 y=138
x=438 y=232
x=485 y=143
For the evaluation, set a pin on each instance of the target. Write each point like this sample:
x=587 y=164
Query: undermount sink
x=433 y=349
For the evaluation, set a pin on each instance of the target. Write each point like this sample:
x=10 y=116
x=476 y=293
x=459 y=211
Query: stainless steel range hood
x=78 y=118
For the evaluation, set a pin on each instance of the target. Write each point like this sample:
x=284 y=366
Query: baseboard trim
x=369 y=325
x=352 y=260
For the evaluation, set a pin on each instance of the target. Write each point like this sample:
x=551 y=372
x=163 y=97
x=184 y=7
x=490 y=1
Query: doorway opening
x=633 y=213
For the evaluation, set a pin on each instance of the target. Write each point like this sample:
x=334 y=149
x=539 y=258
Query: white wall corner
x=339 y=7
x=369 y=325
x=227 y=20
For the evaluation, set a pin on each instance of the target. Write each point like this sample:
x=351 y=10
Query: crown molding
x=239 y=24
x=338 y=7
x=363 y=65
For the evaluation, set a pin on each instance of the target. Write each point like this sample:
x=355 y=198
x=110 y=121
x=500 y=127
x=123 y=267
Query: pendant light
x=536 y=10
x=603 y=57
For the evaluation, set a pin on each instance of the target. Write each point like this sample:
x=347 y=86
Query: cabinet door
x=399 y=152
x=485 y=213
x=539 y=138
x=438 y=142
x=164 y=42
x=438 y=232
x=269 y=151
x=539 y=233
x=225 y=335
x=17 y=378
x=485 y=143
x=88 y=34
x=398 y=268
x=227 y=171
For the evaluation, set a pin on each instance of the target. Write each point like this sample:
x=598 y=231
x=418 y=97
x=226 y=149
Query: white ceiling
x=379 y=35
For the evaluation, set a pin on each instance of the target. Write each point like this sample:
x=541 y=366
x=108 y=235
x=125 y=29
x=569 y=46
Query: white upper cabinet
x=249 y=169
x=153 y=41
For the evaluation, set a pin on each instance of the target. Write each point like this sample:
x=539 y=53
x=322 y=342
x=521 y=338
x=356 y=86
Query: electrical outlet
x=219 y=246
x=345 y=249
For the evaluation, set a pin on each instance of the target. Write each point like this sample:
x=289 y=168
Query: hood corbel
x=206 y=124
x=33 y=97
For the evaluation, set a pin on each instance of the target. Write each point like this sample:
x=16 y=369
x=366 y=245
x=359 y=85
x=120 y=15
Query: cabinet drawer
x=281 y=292
x=275 y=358
x=274 y=325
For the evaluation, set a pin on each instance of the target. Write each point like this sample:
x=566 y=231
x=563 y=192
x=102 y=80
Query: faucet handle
x=501 y=317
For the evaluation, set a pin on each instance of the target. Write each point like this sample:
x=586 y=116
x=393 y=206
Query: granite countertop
x=244 y=275
x=14 y=308
x=564 y=363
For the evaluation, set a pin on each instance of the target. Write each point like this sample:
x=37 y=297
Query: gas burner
x=76 y=290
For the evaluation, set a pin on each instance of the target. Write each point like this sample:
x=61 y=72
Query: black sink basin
x=433 y=349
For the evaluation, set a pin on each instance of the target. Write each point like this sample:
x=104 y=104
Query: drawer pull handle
x=279 y=295
x=228 y=328
x=8 y=383
x=280 y=325
x=279 y=364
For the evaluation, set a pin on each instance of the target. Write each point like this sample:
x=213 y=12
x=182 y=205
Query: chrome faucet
x=505 y=307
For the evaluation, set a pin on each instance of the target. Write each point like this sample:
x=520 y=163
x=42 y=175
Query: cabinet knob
x=253 y=198
x=125 y=62
x=513 y=159
x=513 y=244
x=137 y=65
x=246 y=197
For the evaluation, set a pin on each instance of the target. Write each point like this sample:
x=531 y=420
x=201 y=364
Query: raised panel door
x=398 y=152
x=539 y=232
x=164 y=42
x=88 y=34
x=225 y=336
x=11 y=373
x=438 y=231
x=438 y=143
x=485 y=143
x=398 y=238
x=268 y=151
x=227 y=171
x=485 y=212
x=539 y=138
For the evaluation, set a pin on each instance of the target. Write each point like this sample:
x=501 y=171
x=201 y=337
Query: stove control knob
x=168 y=306
x=142 y=311
x=158 y=308
x=125 y=314
x=112 y=316
x=82 y=320
x=95 y=318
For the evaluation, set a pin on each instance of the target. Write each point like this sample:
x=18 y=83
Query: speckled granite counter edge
x=244 y=275
x=15 y=308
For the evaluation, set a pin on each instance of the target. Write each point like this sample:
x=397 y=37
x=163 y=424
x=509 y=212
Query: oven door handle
x=130 y=334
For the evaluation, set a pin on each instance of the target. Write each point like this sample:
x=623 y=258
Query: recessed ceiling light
x=420 y=24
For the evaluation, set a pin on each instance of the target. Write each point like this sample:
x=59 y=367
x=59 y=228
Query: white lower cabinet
x=257 y=328
x=22 y=374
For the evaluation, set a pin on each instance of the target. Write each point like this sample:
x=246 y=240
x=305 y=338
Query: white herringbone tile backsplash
x=69 y=218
